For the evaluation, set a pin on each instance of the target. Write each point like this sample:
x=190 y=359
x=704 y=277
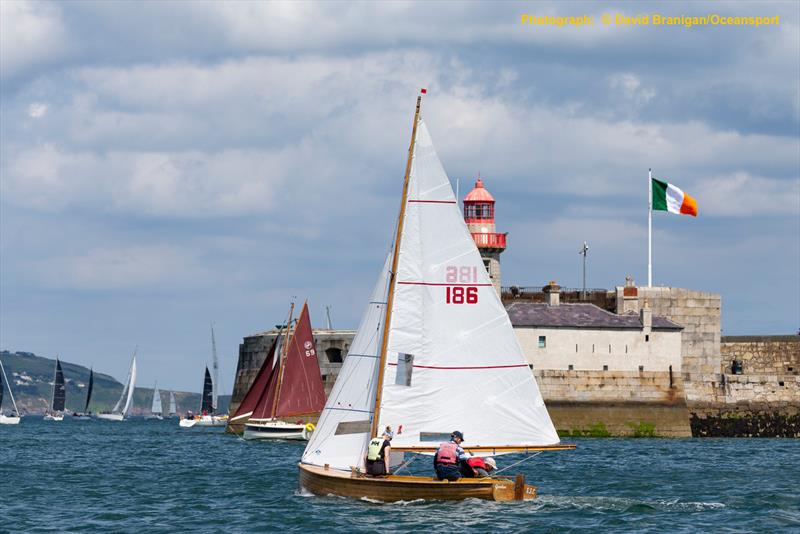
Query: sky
x=166 y=165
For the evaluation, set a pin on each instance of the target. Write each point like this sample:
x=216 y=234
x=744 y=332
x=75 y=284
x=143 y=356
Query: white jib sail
x=131 y=387
x=460 y=364
x=156 y=408
x=343 y=431
x=172 y=405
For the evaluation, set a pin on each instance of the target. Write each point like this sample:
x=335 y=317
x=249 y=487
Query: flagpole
x=649 y=227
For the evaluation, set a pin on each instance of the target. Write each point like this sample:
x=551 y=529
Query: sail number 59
x=461 y=294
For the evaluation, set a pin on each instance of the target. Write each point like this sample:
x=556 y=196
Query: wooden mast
x=393 y=274
x=285 y=351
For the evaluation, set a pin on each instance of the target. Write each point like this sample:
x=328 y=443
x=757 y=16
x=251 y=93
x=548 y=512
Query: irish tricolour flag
x=668 y=197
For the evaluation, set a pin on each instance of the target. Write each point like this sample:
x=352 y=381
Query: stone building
x=581 y=336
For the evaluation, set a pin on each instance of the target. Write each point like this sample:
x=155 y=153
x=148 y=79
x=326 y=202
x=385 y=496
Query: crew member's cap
x=490 y=462
x=458 y=435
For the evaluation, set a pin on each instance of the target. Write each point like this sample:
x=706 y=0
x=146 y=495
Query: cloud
x=120 y=268
x=37 y=110
x=31 y=33
x=743 y=195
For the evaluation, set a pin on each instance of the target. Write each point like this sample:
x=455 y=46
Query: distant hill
x=31 y=378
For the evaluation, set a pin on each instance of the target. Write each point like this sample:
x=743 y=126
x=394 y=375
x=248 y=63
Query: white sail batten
x=131 y=387
x=343 y=431
x=453 y=361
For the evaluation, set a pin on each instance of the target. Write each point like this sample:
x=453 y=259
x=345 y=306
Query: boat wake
x=623 y=504
x=393 y=503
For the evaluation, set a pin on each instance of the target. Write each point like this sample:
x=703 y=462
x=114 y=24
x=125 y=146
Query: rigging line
x=517 y=463
x=405 y=465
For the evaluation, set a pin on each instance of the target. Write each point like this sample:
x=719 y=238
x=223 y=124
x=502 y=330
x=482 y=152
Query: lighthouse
x=479 y=216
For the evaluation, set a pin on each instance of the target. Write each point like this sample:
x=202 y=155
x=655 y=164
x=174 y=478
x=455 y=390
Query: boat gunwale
x=491 y=448
x=403 y=479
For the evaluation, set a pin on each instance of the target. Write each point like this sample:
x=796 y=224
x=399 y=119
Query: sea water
x=151 y=476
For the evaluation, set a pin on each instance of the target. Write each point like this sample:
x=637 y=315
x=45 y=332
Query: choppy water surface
x=151 y=476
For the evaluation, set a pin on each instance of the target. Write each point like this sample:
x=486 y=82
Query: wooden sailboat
x=120 y=411
x=288 y=392
x=208 y=405
x=58 y=400
x=13 y=418
x=155 y=408
x=85 y=414
x=435 y=352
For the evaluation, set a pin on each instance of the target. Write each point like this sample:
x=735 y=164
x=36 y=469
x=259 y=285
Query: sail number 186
x=462 y=293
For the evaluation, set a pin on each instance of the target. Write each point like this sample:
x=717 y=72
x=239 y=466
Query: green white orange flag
x=671 y=198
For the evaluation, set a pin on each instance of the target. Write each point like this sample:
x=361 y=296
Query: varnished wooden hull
x=321 y=481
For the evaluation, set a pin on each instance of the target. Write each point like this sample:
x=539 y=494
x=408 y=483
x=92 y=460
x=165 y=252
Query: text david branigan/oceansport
x=655 y=19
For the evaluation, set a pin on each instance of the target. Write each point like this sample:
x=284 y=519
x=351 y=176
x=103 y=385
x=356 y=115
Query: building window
x=530 y=365
x=486 y=264
x=576 y=348
x=641 y=368
x=609 y=349
x=542 y=342
x=334 y=355
x=571 y=367
x=626 y=349
x=592 y=348
x=646 y=338
x=605 y=368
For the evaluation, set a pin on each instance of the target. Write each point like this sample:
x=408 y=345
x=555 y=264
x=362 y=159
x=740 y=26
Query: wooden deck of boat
x=322 y=481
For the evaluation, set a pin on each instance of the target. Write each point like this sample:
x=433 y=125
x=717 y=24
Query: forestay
x=461 y=365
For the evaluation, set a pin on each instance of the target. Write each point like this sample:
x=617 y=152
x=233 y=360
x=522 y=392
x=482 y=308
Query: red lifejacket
x=476 y=462
x=447 y=453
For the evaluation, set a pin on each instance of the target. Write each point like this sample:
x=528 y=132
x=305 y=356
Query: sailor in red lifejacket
x=477 y=467
x=447 y=458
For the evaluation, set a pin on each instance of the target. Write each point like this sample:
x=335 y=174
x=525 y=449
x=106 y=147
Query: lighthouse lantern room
x=479 y=216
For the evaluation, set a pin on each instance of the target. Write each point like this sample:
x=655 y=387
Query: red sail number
x=461 y=295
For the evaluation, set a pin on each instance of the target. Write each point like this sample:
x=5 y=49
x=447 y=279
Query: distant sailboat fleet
x=208 y=415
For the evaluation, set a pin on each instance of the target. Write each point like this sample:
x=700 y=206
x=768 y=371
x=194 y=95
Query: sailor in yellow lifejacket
x=378 y=454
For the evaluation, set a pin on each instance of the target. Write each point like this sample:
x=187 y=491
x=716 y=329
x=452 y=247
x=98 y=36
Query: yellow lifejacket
x=374 y=451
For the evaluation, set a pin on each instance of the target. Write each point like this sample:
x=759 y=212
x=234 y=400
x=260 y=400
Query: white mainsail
x=172 y=406
x=131 y=387
x=215 y=374
x=461 y=366
x=156 y=408
x=127 y=391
